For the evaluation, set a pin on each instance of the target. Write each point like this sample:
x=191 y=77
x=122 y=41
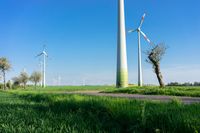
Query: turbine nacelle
x=131 y=31
x=44 y=53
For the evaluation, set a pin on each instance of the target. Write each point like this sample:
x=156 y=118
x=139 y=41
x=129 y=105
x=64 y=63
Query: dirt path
x=186 y=100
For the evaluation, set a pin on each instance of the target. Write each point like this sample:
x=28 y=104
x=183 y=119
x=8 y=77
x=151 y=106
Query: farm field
x=99 y=66
x=146 y=90
x=62 y=89
x=38 y=111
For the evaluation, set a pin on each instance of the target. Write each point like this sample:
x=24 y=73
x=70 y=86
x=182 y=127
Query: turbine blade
x=39 y=55
x=145 y=37
x=130 y=31
x=142 y=20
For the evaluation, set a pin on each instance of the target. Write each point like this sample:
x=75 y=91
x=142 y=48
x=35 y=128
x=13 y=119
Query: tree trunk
x=159 y=75
x=35 y=84
x=157 y=70
x=24 y=85
x=4 y=80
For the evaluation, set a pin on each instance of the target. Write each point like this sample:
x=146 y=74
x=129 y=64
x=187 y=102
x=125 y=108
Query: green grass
x=24 y=112
x=153 y=90
x=146 y=90
x=53 y=89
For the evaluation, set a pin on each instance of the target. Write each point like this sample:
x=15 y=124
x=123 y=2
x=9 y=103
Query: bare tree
x=23 y=78
x=155 y=55
x=36 y=78
x=4 y=67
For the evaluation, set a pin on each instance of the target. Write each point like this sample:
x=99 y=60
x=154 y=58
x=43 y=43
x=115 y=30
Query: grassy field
x=52 y=89
x=153 y=90
x=22 y=112
x=146 y=90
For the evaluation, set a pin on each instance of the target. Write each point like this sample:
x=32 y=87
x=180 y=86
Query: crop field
x=36 y=111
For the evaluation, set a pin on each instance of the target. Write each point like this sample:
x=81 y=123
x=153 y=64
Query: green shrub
x=1 y=86
x=9 y=85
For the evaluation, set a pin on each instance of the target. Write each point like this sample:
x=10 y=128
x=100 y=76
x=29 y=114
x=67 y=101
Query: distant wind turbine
x=59 y=80
x=140 y=78
x=41 y=71
x=44 y=54
x=24 y=70
x=84 y=82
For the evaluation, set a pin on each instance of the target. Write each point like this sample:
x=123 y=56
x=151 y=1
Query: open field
x=51 y=89
x=42 y=112
x=146 y=90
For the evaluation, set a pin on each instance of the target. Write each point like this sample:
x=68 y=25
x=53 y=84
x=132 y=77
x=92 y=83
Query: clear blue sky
x=81 y=38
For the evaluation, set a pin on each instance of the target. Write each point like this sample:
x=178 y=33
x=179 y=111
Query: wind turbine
x=41 y=71
x=84 y=82
x=139 y=31
x=59 y=80
x=44 y=54
x=122 y=68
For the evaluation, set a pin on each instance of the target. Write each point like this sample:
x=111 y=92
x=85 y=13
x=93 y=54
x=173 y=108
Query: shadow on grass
x=72 y=113
x=95 y=114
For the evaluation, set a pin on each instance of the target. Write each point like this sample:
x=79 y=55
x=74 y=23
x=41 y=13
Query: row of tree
x=183 y=84
x=22 y=79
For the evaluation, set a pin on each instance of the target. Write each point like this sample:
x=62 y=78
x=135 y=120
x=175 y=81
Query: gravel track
x=186 y=100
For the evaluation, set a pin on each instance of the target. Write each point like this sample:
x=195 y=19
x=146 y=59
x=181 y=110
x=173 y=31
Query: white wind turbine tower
x=140 y=78
x=59 y=80
x=41 y=71
x=122 y=68
x=84 y=82
x=44 y=54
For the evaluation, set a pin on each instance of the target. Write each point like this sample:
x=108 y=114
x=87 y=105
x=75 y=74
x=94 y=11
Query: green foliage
x=4 y=67
x=183 y=84
x=1 y=86
x=56 y=113
x=153 y=90
x=9 y=85
x=16 y=83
